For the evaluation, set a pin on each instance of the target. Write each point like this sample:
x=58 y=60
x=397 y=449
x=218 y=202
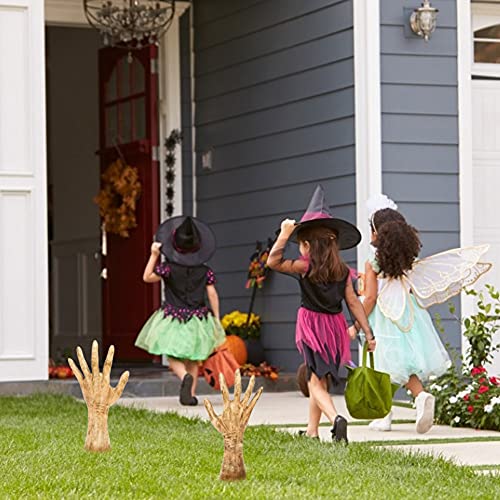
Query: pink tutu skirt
x=323 y=340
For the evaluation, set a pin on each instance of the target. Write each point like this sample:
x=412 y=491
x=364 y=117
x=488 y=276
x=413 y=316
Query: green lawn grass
x=166 y=456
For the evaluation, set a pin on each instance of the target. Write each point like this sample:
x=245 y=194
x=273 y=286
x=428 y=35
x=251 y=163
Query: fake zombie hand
x=98 y=394
x=232 y=423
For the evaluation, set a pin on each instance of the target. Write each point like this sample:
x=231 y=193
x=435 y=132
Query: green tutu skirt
x=194 y=339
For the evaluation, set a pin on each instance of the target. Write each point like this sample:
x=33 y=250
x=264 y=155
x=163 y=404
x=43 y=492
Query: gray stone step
x=163 y=384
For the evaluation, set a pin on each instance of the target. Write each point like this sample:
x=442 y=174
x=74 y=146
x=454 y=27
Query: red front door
x=128 y=102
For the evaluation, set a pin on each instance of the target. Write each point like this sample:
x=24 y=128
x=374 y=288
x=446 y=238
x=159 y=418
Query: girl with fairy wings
x=398 y=289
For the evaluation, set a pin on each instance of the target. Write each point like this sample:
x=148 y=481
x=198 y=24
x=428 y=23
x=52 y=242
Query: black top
x=322 y=297
x=185 y=285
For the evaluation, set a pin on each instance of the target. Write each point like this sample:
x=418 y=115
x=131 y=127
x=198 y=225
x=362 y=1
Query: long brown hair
x=326 y=264
x=397 y=243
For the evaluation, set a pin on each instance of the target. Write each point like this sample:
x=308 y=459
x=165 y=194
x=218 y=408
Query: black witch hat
x=318 y=214
x=186 y=240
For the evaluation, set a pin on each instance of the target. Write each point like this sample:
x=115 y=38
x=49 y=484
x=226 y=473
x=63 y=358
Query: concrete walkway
x=288 y=410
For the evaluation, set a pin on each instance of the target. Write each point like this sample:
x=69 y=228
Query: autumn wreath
x=118 y=198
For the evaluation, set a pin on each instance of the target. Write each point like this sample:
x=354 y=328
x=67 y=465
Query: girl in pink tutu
x=322 y=331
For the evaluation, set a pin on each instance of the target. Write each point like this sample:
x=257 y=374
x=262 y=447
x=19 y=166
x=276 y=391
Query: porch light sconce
x=423 y=20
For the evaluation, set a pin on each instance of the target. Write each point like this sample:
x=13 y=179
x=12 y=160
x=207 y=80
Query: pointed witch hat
x=318 y=214
x=186 y=240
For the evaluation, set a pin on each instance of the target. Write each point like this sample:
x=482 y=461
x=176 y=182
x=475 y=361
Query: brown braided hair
x=327 y=265
x=396 y=241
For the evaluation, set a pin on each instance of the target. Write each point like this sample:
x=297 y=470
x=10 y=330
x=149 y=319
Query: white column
x=367 y=114
x=170 y=104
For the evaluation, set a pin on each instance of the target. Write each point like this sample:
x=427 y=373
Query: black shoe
x=339 y=429
x=194 y=401
x=185 y=395
x=304 y=434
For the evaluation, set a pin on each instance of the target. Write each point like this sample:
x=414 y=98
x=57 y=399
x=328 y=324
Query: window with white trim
x=487 y=45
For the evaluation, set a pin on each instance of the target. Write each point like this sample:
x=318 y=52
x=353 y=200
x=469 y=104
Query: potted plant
x=246 y=328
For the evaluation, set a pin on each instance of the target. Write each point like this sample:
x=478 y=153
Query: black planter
x=255 y=351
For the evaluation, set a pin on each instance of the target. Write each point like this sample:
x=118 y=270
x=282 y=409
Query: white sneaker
x=381 y=424
x=425 y=412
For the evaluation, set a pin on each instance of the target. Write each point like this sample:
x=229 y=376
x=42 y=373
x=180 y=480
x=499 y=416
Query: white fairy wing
x=437 y=278
x=392 y=298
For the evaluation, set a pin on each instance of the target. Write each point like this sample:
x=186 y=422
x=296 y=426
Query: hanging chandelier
x=130 y=24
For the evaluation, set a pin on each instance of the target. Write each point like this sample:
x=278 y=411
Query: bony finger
x=237 y=385
x=95 y=358
x=224 y=389
x=83 y=363
x=118 y=390
x=248 y=392
x=210 y=409
x=108 y=363
x=75 y=370
x=214 y=418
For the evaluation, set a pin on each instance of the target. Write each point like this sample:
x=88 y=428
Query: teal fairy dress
x=184 y=327
x=409 y=346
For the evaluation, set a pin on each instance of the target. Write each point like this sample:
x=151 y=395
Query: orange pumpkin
x=238 y=348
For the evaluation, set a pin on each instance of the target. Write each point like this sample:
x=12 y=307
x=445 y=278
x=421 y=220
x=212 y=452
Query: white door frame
x=464 y=69
x=24 y=321
x=70 y=13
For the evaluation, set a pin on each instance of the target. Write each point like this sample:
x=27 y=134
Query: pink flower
x=482 y=380
x=477 y=370
x=466 y=397
x=483 y=389
x=494 y=381
x=470 y=408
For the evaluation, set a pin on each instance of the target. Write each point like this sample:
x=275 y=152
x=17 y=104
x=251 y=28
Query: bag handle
x=365 y=350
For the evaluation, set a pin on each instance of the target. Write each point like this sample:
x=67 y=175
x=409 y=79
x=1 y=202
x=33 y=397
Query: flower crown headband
x=378 y=202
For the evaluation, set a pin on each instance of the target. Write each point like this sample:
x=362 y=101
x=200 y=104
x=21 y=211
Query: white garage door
x=486 y=174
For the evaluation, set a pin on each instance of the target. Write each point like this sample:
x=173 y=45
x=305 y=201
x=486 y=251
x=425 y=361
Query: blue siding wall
x=274 y=96
x=420 y=128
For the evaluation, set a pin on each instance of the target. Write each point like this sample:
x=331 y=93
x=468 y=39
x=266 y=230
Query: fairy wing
x=392 y=298
x=437 y=278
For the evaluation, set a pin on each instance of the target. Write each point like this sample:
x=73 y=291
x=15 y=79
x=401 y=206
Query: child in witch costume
x=398 y=289
x=184 y=329
x=322 y=331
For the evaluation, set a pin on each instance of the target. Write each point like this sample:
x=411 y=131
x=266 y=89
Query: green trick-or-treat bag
x=368 y=393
